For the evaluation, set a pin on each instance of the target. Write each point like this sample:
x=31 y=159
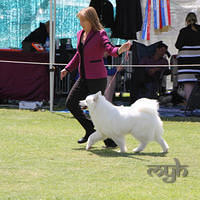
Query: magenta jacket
x=93 y=49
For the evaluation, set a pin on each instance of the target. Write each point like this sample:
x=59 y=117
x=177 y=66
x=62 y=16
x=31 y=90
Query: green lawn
x=40 y=159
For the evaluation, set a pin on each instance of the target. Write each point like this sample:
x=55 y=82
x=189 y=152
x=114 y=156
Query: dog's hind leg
x=163 y=144
x=140 y=147
x=120 y=141
x=95 y=137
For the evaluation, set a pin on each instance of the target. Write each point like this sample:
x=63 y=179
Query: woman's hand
x=125 y=47
x=63 y=73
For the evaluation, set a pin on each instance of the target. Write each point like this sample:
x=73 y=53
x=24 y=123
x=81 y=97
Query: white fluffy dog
x=141 y=120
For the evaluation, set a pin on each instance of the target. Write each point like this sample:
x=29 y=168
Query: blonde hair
x=191 y=18
x=90 y=14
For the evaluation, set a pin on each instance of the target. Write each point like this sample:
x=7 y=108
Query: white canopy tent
x=179 y=10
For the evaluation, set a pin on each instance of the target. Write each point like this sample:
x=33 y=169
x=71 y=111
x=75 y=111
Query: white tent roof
x=179 y=10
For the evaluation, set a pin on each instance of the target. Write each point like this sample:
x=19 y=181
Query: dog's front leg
x=95 y=137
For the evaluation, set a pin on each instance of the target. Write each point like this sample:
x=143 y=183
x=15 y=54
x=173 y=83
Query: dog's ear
x=99 y=93
x=96 y=96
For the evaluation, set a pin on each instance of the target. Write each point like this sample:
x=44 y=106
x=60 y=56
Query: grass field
x=41 y=160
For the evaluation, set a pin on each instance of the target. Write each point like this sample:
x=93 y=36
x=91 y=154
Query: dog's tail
x=146 y=105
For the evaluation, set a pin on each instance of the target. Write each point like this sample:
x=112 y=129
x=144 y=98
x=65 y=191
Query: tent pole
x=52 y=53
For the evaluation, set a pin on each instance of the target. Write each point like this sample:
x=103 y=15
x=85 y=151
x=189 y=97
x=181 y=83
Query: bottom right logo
x=170 y=172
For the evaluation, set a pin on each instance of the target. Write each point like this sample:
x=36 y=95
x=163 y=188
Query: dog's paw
x=166 y=150
x=123 y=150
x=88 y=147
x=119 y=151
x=136 y=150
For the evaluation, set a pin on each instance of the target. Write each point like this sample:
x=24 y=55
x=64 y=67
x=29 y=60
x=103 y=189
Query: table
x=28 y=82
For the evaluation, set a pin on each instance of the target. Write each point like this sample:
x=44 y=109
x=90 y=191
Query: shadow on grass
x=153 y=154
x=64 y=115
x=181 y=119
x=113 y=153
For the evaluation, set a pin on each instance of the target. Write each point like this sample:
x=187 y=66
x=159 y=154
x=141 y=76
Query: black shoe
x=109 y=147
x=110 y=143
x=83 y=140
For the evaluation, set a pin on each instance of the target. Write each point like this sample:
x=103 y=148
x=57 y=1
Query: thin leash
x=126 y=58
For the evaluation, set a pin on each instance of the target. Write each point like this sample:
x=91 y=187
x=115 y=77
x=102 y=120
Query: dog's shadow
x=153 y=154
x=114 y=153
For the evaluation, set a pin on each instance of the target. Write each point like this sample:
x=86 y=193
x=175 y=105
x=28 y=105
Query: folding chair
x=194 y=99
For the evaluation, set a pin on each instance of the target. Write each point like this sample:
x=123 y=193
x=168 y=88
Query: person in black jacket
x=105 y=12
x=39 y=35
x=188 y=43
x=128 y=20
x=189 y=35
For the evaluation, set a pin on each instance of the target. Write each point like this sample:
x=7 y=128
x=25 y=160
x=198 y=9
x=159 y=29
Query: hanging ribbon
x=144 y=28
x=147 y=22
x=162 y=17
x=155 y=14
x=169 y=12
x=165 y=15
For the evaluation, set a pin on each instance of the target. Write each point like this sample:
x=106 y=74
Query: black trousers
x=80 y=90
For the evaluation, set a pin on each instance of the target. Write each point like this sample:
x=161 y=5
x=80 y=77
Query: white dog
x=141 y=120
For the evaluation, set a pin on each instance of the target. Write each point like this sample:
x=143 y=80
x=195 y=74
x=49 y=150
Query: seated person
x=39 y=35
x=153 y=75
